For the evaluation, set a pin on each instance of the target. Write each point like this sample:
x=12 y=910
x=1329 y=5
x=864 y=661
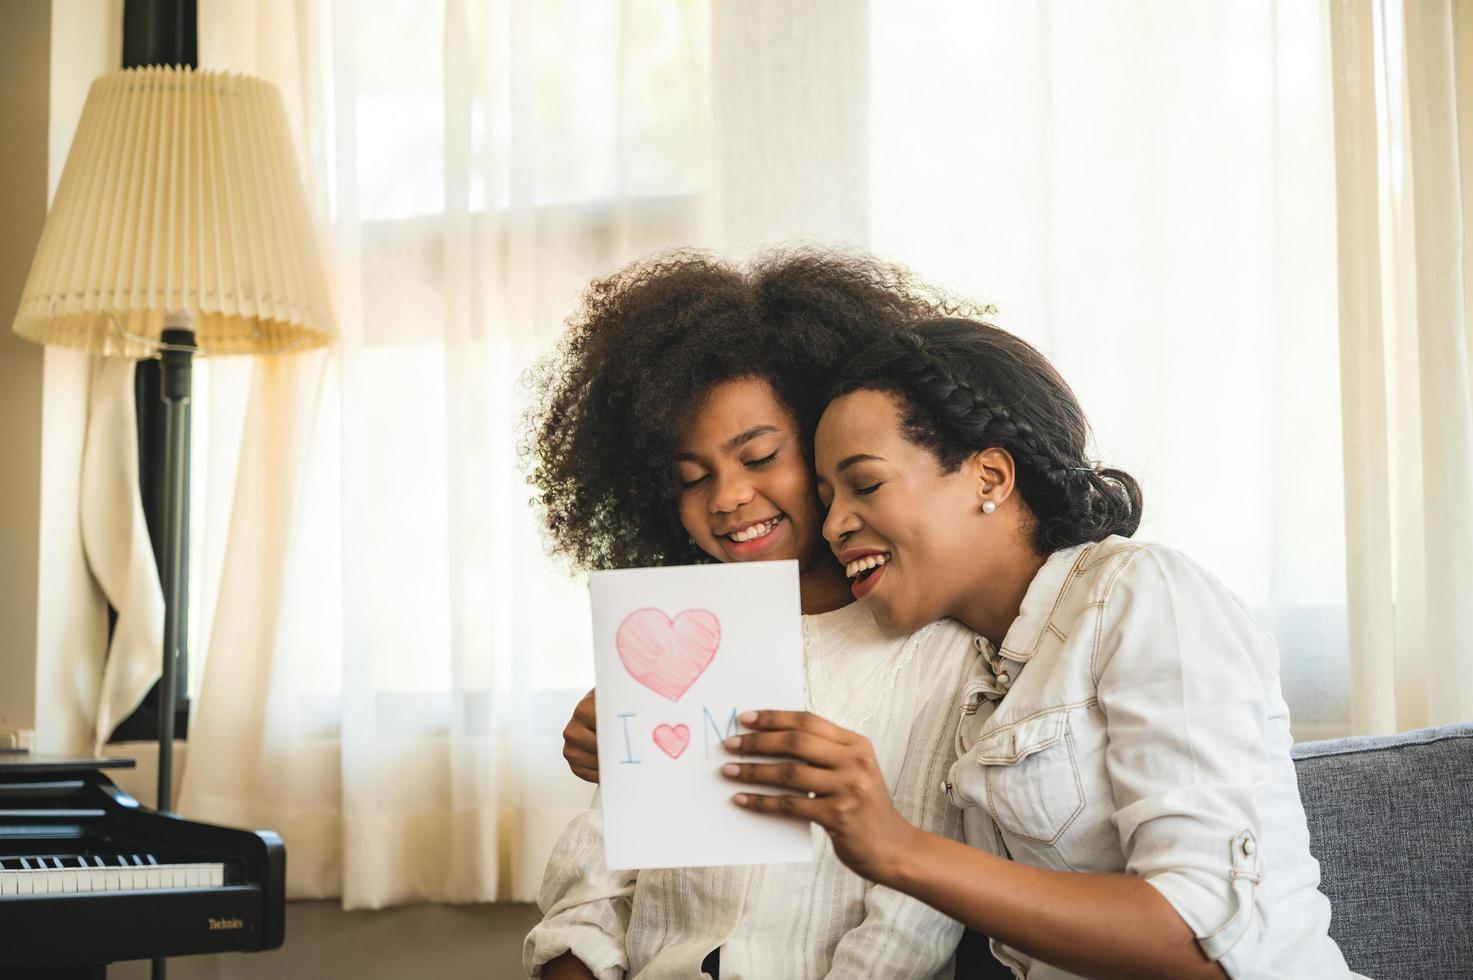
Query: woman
x=1136 y=765
x=676 y=427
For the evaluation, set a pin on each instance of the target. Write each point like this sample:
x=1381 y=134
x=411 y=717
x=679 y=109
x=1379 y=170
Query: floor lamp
x=180 y=227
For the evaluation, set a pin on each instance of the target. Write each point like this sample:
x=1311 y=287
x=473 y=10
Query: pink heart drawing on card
x=672 y=741
x=668 y=655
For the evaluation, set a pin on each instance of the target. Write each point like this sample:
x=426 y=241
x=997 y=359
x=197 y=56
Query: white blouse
x=1141 y=729
x=781 y=921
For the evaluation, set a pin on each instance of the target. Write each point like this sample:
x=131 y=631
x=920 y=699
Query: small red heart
x=672 y=741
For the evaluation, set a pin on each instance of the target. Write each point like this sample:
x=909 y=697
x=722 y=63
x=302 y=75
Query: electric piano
x=89 y=877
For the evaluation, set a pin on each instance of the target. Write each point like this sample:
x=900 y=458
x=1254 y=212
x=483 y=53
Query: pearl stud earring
x=988 y=506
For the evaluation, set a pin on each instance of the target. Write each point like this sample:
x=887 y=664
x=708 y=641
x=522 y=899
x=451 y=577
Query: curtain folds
x=1403 y=98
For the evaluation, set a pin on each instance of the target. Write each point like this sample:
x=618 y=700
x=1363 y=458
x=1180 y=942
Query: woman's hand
x=580 y=740
x=1105 y=925
x=838 y=781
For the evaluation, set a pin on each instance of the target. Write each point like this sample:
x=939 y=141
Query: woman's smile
x=864 y=567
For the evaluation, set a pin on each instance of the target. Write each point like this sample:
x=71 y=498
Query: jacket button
x=945 y=787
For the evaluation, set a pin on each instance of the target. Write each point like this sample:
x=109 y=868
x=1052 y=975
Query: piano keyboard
x=89 y=877
x=74 y=873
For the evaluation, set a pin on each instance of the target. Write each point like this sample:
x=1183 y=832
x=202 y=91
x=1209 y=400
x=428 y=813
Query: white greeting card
x=679 y=654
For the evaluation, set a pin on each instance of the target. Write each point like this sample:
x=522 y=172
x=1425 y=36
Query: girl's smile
x=754 y=539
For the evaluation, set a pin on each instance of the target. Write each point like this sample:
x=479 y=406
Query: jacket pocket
x=1034 y=789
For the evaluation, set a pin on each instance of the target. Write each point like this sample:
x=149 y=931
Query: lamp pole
x=177 y=364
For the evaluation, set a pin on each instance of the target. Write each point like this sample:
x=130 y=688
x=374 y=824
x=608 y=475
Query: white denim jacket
x=1141 y=729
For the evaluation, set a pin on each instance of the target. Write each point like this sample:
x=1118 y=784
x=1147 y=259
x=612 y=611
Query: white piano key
x=78 y=874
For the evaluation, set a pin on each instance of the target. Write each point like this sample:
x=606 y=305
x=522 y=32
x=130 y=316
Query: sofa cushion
x=1391 y=822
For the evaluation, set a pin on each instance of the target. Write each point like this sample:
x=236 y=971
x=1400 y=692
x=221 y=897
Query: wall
x=25 y=57
x=52 y=618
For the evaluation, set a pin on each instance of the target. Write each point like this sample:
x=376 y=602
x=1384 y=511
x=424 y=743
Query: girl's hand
x=839 y=783
x=580 y=740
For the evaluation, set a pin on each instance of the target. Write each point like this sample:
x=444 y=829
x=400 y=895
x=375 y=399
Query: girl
x=1136 y=767
x=676 y=425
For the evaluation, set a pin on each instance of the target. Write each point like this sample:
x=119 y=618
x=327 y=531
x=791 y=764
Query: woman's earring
x=988 y=506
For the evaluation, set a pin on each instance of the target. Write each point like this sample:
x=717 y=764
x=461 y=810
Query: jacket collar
x=1044 y=593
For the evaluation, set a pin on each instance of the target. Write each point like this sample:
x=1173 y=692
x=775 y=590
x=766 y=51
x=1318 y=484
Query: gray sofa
x=1391 y=822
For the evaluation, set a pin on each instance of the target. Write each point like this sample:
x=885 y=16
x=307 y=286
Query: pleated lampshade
x=180 y=196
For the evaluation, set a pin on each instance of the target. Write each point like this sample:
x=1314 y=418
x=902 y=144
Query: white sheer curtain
x=1404 y=139
x=391 y=658
x=1146 y=191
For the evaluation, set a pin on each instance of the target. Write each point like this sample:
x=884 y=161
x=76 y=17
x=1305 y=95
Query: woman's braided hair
x=970 y=386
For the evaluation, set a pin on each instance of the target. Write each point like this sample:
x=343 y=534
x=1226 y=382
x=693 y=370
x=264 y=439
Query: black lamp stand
x=177 y=364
